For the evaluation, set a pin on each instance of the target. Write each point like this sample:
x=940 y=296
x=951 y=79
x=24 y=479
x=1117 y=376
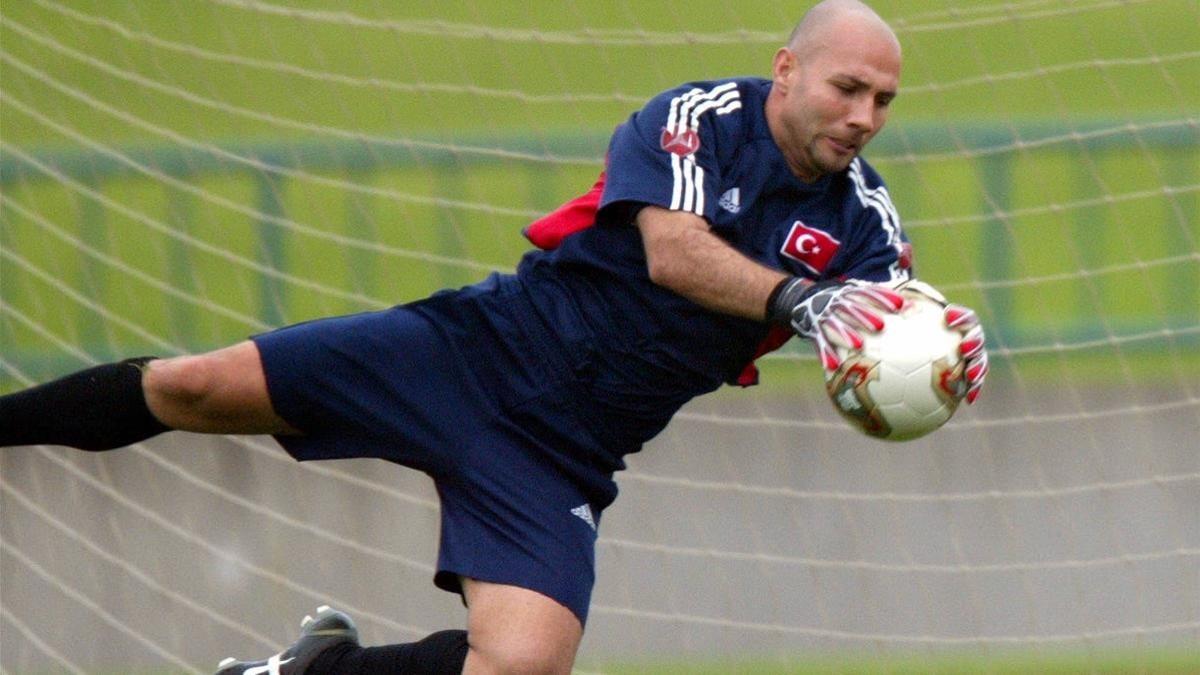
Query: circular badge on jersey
x=682 y=142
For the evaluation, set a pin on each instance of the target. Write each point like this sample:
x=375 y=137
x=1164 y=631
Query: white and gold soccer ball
x=906 y=380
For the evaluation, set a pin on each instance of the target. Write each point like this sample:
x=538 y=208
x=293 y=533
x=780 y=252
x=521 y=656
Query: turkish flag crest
x=682 y=141
x=810 y=247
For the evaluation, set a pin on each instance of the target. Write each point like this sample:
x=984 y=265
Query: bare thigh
x=516 y=630
x=221 y=392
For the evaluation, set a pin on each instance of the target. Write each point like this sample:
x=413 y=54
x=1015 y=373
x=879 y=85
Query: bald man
x=731 y=214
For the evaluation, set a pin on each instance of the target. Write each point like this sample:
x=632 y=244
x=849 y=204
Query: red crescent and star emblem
x=810 y=247
x=682 y=142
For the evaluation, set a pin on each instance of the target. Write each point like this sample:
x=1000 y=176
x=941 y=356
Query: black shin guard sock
x=442 y=653
x=100 y=408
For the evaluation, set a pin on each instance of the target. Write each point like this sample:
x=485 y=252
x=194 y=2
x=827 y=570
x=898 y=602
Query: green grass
x=1118 y=37
x=1148 y=662
x=1108 y=662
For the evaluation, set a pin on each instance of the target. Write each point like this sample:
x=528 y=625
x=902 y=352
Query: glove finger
x=976 y=372
x=838 y=332
x=973 y=392
x=959 y=317
x=977 y=368
x=827 y=354
x=881 y=296
x=861 y=317
x=972 y=343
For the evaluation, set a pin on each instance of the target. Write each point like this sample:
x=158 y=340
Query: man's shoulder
x=745 y=85
x=711 y=114
x=691 y=101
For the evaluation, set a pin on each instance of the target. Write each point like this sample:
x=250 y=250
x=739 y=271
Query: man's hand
x=832 y=314
x=972 y=347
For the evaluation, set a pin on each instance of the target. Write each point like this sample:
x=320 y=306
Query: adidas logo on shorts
x=585 y=513
x=731 y=201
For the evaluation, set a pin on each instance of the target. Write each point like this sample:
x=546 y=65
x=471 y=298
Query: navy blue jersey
x=706 y=148
x=521 y=395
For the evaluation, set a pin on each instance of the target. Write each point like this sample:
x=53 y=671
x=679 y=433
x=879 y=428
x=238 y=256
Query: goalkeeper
x=731 y=214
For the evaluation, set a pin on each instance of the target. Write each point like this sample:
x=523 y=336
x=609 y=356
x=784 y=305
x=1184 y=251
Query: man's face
x=833 y=98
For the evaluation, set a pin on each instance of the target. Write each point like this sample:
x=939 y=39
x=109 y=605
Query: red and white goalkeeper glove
x=972 y=347
x=832 y=313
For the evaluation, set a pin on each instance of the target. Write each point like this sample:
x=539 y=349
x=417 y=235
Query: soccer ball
x=906 y=380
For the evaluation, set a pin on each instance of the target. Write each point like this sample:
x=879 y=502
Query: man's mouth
x=843 y=146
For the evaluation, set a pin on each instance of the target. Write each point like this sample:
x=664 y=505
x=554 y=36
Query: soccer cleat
x=317 y=634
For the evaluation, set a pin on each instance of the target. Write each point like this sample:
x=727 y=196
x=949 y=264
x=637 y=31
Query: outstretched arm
x=685 y=256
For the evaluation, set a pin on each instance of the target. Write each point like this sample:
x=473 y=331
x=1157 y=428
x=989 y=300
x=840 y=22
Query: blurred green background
x=179 y=174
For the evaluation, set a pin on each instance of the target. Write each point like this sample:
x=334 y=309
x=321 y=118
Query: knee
x=517 y=630
x=523 y=658
x=221 y=392
x=186 y=393
x=517 y=661
x=180 y=381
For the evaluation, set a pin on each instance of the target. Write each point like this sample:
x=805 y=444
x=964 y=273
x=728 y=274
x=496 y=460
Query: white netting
x=177 y=175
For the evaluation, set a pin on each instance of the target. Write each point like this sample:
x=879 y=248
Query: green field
x=1131 y=662
x=1170 y=662
x=1118 y=662
x=1167 y=662
x=1094 y=58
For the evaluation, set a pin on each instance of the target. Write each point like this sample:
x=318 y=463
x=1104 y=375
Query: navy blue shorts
x=479 y=391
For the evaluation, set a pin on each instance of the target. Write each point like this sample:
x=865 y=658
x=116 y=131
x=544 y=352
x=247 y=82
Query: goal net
x=175 y=176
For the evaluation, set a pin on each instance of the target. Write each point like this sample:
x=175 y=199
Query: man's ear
x=783 y=67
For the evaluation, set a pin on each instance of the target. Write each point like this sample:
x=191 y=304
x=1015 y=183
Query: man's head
x=832 y=86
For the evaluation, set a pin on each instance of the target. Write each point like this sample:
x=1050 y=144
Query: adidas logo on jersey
x=731 y=201
x=585 y=513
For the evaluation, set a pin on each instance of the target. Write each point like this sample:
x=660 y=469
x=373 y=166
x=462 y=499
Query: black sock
x=100 y=408
x=442 y=653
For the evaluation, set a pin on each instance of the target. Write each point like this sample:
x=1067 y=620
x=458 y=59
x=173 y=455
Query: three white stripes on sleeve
x=688 y=189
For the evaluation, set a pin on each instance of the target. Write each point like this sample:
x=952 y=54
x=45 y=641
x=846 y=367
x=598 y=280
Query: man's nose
x=862 y=114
